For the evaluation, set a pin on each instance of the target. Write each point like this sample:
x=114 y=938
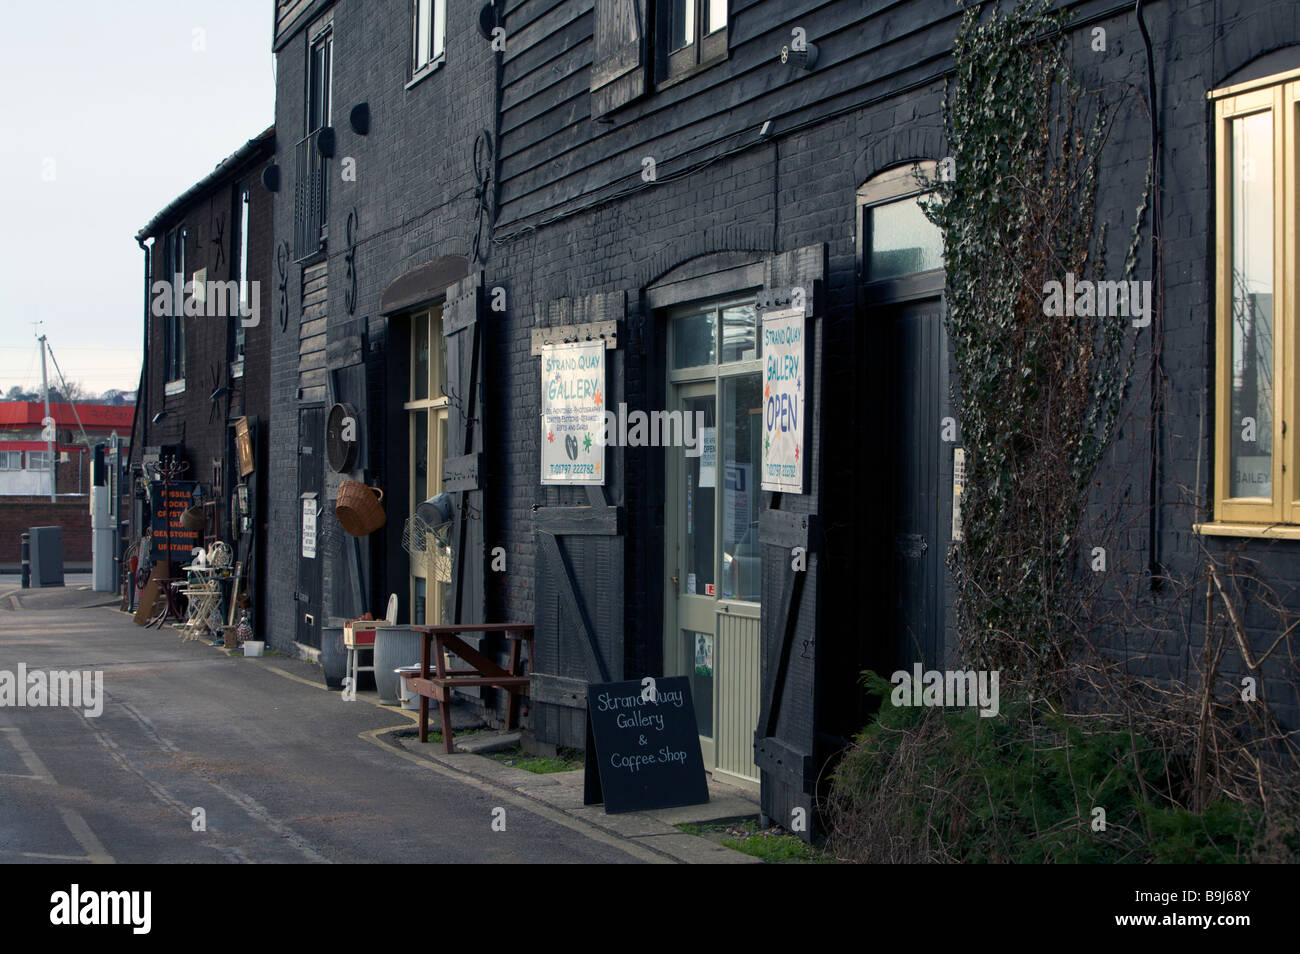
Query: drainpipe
x=142 y=391
x=1155 y=425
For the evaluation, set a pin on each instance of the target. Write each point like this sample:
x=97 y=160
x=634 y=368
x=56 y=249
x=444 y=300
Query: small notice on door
x=708 y=456
x=573 y=413
x=309 y=527
x=958 y=485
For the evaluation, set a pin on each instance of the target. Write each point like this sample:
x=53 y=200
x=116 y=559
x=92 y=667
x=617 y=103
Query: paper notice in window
x=708 y=456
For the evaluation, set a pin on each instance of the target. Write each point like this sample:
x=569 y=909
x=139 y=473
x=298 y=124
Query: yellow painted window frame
x=435 y=406
x=1242 y=516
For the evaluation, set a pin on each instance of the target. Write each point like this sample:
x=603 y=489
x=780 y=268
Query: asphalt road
x=283 y=771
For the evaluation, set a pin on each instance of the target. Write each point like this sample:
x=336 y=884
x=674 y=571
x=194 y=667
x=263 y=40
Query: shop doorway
x=909 y=414
x=713 y=562
x=311 y=436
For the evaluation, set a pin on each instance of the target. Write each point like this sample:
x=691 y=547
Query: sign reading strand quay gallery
x=643 y=746
x=573 y=413
x=783 y=400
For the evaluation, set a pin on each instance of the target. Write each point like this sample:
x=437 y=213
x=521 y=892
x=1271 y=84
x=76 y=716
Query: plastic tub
x=410 y=700
x=254 y=647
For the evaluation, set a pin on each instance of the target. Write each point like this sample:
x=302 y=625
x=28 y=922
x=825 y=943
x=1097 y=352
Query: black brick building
x=615 y=168
x=204 y=374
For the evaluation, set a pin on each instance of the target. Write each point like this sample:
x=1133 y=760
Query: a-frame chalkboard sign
x=643 y=746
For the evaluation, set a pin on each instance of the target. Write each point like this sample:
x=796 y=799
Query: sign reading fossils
x=643 y=746
x=171 y=539
x=573 y=413
x=783 y=400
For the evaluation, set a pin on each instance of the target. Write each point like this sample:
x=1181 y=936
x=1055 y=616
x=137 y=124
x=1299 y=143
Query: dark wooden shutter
x=579 y=626
x=462 y=326
x=619 y=57
x=785 y=739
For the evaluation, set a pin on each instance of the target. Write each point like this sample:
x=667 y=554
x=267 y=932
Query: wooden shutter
x=462 y=326
x=579 y=625
x=785 y=739
x=619 y=57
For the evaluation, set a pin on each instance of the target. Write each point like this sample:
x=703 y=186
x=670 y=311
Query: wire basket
x=430 y=558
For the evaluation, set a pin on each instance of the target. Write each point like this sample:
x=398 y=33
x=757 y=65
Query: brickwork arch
x=916 y=143
x=1264 y=31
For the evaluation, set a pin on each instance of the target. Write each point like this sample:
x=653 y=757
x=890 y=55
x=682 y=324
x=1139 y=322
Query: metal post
x=49 y=441
x=27 y=560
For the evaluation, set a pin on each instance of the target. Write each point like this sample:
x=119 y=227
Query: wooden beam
x=566 y=521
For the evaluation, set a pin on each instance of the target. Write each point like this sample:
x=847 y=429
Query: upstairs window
x=691 y=34
x=429 y=36
x=1257 y=461
x=311 y=181
x=174 y=324
x=239 y=261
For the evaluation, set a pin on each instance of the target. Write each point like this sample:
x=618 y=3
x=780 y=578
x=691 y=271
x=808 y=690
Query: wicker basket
x=193 y=518
x=359 y=508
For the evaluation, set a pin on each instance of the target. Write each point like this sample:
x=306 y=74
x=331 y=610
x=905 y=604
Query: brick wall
x=20 y=514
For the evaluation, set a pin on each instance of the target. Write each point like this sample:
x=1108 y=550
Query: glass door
x=692 y=578
x=712 y=560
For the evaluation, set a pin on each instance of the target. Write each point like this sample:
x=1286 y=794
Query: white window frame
x=429 y=23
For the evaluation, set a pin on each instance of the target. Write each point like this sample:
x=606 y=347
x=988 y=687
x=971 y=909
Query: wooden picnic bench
x=439 y=684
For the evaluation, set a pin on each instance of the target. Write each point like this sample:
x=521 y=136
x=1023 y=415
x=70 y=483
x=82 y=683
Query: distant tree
x=73 y=393
x=16 y=393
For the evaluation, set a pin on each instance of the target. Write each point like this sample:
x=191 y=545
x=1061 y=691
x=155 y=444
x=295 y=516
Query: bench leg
x=512 y=699
x=424 y=700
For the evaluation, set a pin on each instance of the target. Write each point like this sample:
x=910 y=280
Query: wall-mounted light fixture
x=359 y=118
x=325 y=141
x=487 y=20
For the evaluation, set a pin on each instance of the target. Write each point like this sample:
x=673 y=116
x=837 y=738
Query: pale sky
x=112 y=109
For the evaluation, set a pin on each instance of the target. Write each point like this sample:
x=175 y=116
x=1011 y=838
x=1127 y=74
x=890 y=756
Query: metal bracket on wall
x=568 y=334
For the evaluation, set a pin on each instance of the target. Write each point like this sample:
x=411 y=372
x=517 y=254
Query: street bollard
x=27 y=560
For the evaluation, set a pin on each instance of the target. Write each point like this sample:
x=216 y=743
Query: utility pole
x=47 y=425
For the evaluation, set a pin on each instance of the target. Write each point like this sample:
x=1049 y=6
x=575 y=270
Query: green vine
x=1038 y=395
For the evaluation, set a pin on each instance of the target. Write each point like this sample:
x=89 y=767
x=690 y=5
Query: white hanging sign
x=309 y=527
x=784 y=377
x=573 y=413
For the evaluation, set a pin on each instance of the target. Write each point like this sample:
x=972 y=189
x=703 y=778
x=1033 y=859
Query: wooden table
x=439 y=684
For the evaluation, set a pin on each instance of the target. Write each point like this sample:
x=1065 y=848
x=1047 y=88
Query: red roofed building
x=25 y=473
x=24 y=465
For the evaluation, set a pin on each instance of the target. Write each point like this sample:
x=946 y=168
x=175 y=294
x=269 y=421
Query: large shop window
x=427 y=412
x=1257 y=469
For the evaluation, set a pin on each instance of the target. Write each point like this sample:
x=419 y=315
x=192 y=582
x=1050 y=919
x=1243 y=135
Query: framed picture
x=244 y=445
